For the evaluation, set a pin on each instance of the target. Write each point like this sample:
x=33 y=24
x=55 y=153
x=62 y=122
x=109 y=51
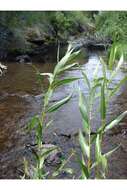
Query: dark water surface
x=20 y=99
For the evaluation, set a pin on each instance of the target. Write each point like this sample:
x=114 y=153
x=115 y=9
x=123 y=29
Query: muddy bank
x=21 y=98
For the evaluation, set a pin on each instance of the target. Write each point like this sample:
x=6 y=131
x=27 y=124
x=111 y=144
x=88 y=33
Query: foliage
x=39 y=123
x=112 y=24
x=98 y=90
x=59 y=21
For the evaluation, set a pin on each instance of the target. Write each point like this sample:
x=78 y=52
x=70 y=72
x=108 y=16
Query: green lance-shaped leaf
x=114 y=73
x=100 y=159
x=49 y=123
x=84 y=145
x=98 y=148
x=67 y=67
x=118 y=86
x=58 y=83
x=103 y=68
x=104 y=163
x=69 y=48
x=58 y=104
x=85 y=126
x=39 y=133
x=96 y=71
x=69 y=58
x=84 y=169
x=48 y=96
x=83 y=107
x=73 y=57
x=115 y=121
x=61 y=63
x=86 y=80
x=108 y=154
x=46 y=152
x=33 y=122
x=112 y=55
x=103 y=104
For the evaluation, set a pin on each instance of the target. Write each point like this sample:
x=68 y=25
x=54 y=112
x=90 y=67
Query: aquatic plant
x=92 y=165
x=98 y=91
x=39 y=122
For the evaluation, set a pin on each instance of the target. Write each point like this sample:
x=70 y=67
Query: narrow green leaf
x=69 y=58
x=84 y=169
x=62 y=63
x=58 y=104
x=86 y=80
x=118 y=86
x=64 y=81
x=73 y=57
x=103 y=68
x=46 y=153
x=84 y=145
x=96 y=71
x=49 y=123
x=39 y=133
x=103 y=104
x=115 y=121
x=111 y=152
x=94 y=165
x=114 y=73
x=69 y=48
x=82 y=107
x=85 y=126
x=33 y=122
x=93 y=92
x=104 y=163
x=67 y=67
x=58 y=52
x=47 y=97
x=112 y=56
x=98 y=148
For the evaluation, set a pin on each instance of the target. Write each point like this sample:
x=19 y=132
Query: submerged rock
x=23 y=59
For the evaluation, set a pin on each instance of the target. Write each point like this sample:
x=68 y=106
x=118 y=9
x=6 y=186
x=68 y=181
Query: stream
x=20 y=99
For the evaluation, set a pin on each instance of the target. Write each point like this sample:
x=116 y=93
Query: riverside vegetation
x=99 y=89
x=25 y=32
x=22 y=33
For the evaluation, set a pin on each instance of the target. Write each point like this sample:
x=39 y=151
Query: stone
x=23 y=59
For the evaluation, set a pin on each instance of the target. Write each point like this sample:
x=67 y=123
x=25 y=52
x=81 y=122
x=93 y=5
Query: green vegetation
x=40 y=122
x=113 y=24
x=24 y=31
x=23 y=27
x=98 y=90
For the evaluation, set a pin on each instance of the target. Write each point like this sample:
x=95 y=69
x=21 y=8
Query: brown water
x=20 y=99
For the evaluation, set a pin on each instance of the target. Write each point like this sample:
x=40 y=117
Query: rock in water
x=23 y=59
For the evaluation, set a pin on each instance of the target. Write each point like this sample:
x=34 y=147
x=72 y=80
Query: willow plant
x=39 y=122
x=98 y=89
